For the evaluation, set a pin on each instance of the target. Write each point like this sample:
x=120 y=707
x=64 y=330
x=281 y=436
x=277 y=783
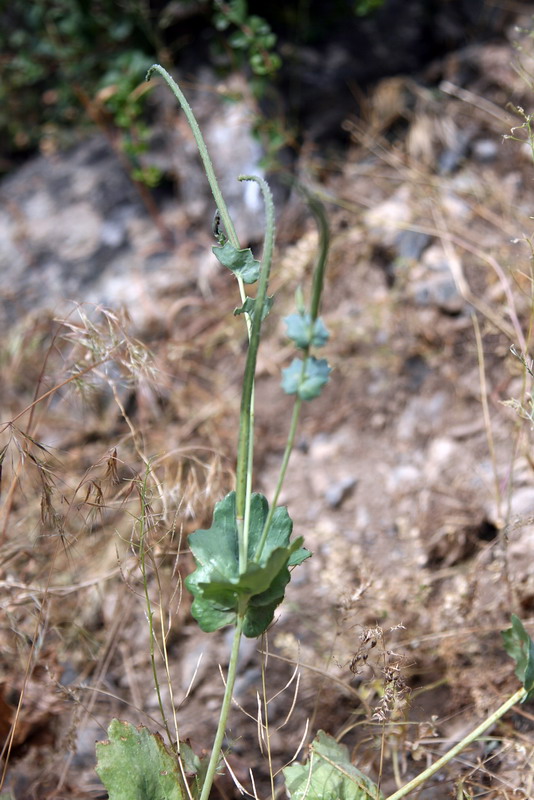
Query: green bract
x=303 y=333
x=241 y=262
x=328 y=775
x=307 y=384
x=218 y=587
x=250 y=304
x=520 y=647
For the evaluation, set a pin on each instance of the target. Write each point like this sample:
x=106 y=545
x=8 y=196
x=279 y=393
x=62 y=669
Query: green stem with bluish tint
x=206 y=160
x=317 y=290
x=225 y=709
x=244 y=473
x=245 y=445
x=458 y=748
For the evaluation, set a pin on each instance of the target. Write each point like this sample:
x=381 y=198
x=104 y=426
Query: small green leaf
x=308 y=384
x=259 y=25
x=328 y=774
x=364 y=7
x=239 y=40
x=220 y=22
x=135 y=765
x=303 y=333
x=194 y=767
x=250 y=304
x=520 y=647
x=217 y=585
x=299 y=556
x=241 y=262
x=299 y=300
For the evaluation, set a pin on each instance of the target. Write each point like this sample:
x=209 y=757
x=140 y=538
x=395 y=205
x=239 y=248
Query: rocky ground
x=412 y=480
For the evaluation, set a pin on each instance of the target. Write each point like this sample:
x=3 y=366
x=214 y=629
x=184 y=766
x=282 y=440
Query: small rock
x=434 y=259
x=439 y=292
x=404 y=478
x=411 y=244
x=421 y=415
x=522 y=502
x=484 y=150
x=385 y=219
x=452 y=157
x=112 y=233
x=338 y=491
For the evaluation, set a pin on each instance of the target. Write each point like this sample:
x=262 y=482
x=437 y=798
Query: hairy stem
x=220 y=202
x=317 y=290
x=324 y=242
x=245 y=448
x=202 y=149
x=281 y=477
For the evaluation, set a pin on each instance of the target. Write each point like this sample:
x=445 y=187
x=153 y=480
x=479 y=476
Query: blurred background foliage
x=66 y=64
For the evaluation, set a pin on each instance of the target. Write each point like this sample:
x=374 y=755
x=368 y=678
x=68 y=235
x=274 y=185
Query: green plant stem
x=245 y=450
x=202 y=149
x=206 y=160
x=454 y=751
x=324 y=243
x=281 y=477
x=317 y=289
x=225 y=708
x=266 y=715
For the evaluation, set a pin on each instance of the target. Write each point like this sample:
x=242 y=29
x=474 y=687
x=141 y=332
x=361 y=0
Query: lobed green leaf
x=249 y=306
x=241 y=262
x=135 y=764
x=308 y=383
x=520 y=647
x=301 y=331
x=328 y=775
x=218 y=587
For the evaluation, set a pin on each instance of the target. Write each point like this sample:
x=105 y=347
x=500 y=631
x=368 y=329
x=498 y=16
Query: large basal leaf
x=520 y=647
x=328 y=775
x=134 y=764
x=217 y=585
x=240 y=262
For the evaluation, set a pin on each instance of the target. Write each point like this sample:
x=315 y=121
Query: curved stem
x=245 y=446
x=208 y=165
x=318 y=211
x=225 y=708
x=281 y=477
x=202 y=149
x=427 y=773
x=317 y=289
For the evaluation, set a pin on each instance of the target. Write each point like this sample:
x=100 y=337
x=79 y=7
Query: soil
x=412 y=479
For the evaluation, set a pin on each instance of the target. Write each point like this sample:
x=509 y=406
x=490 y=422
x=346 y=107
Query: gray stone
x=338 y=491
x=411 y=244
x=485 y=150
x=440 y=292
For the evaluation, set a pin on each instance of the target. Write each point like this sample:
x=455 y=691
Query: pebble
x=338 y=491
x=439 y=292
x=484 y=150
